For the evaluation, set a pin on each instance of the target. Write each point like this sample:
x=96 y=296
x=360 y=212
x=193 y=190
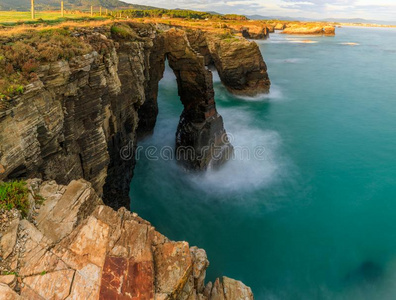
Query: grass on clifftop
x=21 y=57
x=13 y=18
x=14 y=194
x=123 y=31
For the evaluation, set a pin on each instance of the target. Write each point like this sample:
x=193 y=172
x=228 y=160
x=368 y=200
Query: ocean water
x=312 y=213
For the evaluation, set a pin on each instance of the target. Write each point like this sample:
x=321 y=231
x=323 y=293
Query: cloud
x=319 y=9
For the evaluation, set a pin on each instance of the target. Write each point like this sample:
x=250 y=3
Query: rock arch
x=201 y=139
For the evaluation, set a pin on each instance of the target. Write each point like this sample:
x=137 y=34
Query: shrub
x=122 y=31
x=20 y=59
x=227 y=36
x=15 y=194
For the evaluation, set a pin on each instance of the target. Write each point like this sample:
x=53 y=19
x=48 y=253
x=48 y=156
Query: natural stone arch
x=201 y=139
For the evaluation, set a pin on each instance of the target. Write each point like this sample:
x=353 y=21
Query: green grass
x=122 y=31
x=12 y=18
x=15 y=194
x=9 y=273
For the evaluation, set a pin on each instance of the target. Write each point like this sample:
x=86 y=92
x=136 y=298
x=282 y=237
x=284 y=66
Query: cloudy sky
x=368 y=9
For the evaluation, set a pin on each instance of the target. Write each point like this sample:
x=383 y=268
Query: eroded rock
x=240 y=65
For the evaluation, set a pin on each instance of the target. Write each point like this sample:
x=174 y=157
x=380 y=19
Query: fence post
x=32 y=9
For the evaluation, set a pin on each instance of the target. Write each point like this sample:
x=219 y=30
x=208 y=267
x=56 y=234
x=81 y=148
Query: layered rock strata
x=73 y=121
x=74 y=247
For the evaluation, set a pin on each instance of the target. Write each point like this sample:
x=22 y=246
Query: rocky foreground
x=74 y=247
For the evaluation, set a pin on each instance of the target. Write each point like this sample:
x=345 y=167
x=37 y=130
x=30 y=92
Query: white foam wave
x=304 y=42
x=293 y=60
x=245 y=172
x=274 y=94
x=349 y=44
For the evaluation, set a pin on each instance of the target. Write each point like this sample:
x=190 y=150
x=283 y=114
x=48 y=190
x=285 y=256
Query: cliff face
x=74 y=247
x=73 y=121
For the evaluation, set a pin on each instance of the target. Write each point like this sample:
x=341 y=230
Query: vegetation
x=20 y=59
x=15 y=194
x=45 y=18
x=122 y=31
x=177 y=13
x=9 y=273
x=234 y=17
x=227 y=36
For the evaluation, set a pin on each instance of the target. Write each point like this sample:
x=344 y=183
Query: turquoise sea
x=316 y=217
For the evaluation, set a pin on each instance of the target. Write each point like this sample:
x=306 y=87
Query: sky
x=317 y=9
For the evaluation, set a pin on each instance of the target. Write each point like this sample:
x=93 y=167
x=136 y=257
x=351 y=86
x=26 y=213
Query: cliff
x=80 y=117
x=76 y=115
x=311 y=29
x=74 y=247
